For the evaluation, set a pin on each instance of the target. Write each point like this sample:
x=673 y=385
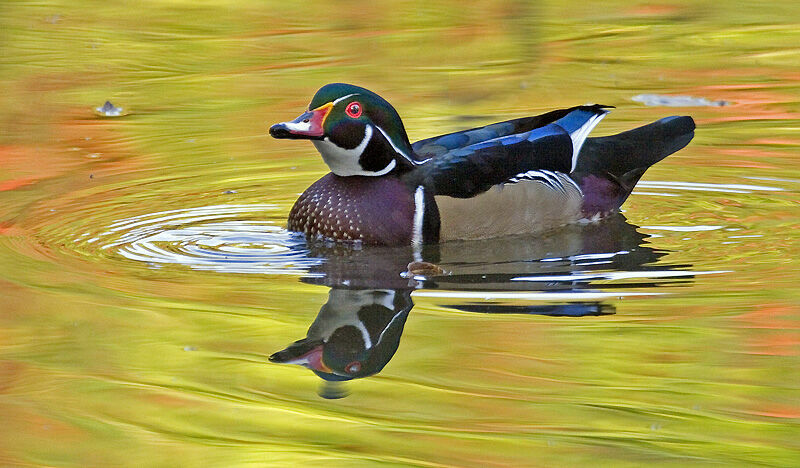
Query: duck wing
x=464 y=164
x=441 y=144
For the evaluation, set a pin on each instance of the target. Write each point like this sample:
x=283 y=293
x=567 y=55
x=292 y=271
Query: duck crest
x=525 y=175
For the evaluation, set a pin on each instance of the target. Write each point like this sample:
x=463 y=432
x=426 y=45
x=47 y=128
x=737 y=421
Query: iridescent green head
x=356 y=131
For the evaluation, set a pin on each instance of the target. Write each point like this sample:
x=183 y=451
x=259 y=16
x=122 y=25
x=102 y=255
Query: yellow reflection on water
x=106 y=359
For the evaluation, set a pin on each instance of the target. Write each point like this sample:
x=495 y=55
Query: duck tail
x=609 y=167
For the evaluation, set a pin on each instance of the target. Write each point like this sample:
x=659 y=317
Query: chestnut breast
x=374 y=210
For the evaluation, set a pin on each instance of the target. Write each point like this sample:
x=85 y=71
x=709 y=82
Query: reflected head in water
x=354 y=335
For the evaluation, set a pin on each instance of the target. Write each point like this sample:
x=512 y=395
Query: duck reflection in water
x=354 y=335
x=358 y=330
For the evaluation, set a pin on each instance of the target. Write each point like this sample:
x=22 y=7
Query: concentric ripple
x=249 y=238
x=225 y=238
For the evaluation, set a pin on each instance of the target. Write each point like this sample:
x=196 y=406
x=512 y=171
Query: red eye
x=354 y=366
x=353 y=110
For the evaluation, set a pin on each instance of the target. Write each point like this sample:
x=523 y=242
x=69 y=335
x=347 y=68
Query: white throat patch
x=344 y=162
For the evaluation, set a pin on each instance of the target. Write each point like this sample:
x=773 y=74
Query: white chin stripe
x=344 y=162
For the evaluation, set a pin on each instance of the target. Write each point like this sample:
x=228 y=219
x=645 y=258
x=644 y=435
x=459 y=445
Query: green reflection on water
x=108 y=361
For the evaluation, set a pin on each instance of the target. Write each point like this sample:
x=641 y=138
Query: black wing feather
x=466 y=173
x=441 y=144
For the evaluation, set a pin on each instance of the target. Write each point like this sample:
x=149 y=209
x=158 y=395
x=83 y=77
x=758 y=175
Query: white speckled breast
x=374 y=210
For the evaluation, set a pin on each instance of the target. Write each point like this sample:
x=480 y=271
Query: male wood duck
x=520 y=176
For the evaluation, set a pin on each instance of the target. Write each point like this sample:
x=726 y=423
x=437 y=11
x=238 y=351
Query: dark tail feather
x=635 y=149
x=609 y=167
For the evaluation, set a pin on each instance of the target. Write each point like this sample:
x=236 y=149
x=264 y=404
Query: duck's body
x=373 y=210
x=521 y=176
x=536 y=207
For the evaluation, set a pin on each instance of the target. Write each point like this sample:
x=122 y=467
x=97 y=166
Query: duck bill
x=303 y=353
x=308 y=126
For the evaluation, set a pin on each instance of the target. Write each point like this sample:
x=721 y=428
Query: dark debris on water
x=109 y=110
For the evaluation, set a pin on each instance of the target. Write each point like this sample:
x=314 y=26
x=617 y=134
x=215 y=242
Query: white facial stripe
x=344 y=162
x=343 y=98
x=298 y=127
x=399 y=151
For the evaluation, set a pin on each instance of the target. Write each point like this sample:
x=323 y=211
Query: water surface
x=146 y=277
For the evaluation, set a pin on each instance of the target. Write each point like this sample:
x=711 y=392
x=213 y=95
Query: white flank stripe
x=553 y=180
x=573 y=183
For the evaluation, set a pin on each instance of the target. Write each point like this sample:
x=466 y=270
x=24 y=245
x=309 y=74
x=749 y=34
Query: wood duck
x=520 y=176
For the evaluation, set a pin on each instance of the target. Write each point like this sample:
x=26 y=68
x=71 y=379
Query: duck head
x=356 y=131
x=355 y=334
